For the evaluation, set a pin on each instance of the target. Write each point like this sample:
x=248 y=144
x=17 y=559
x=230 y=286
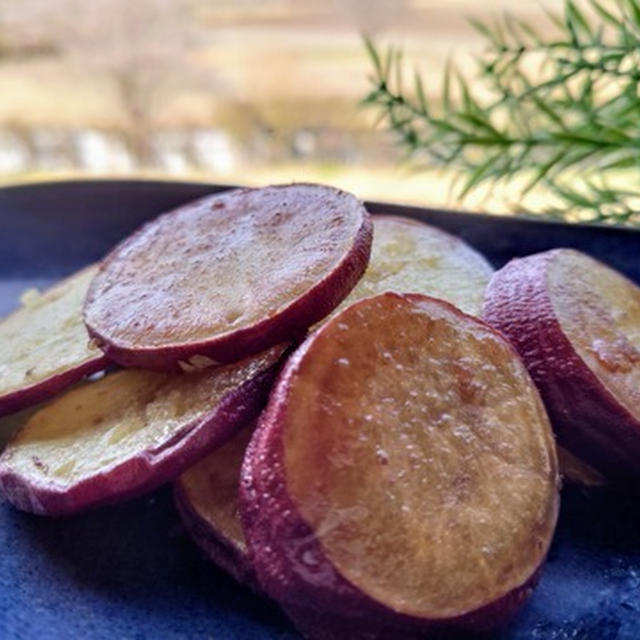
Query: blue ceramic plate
x=130 y=571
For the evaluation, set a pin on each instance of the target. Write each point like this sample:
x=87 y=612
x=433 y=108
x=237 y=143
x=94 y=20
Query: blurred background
x=231 y=91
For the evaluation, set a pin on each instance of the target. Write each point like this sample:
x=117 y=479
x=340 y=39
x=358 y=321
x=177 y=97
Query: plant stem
x=578 y=115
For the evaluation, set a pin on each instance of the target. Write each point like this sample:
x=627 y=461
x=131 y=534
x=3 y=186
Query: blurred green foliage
x=559 y=109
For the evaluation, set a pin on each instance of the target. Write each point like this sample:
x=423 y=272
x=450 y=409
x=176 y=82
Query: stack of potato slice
x=403 y=477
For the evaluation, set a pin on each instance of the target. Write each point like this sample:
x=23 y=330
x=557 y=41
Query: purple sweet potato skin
x=149 y=469
x=318 y=625
x=42 y=390
x=284 y=326
x=279 y=542
x=586 y=417
x=45 y=389
x=216 y=547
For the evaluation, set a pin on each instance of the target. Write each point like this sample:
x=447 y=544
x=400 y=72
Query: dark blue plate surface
x=131 y=572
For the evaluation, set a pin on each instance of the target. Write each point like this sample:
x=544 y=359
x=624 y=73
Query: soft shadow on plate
x=133 y=563
x=590 y=571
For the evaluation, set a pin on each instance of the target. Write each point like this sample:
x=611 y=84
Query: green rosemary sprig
x=561 y=111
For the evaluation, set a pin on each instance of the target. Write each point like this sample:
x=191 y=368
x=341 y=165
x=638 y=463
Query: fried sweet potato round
x=408 y=256
x=129 y=432
x=228 y=276
x=576 y=324
x=206 y=496
x=404 y=471
x=44 y=346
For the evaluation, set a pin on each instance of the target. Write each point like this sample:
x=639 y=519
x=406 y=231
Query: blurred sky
x=243 y=91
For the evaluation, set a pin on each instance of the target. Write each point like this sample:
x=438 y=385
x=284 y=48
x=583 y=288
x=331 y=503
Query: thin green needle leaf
x=531 y=32
x=548 y=110
x=399 y=77
x=422 y=100
x=555 y=18
x=626 y=162
x=373 y=54
x=572 y=196
x=578 y=19
x=387 y=64
x=485 y=31
x=483 y=124
x=478 y=175
x=605 y=14
x=446 y=88
x=634 y=9
x=542 y=171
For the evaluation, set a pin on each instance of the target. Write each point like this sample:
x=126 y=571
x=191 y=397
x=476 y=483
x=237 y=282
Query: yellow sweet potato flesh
x=211 y=488
x=410 y=257
x=95 y=427
x=46 y=336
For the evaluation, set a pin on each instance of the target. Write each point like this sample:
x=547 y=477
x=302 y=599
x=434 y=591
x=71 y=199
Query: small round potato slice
x=228 y=276
x=128 y=433
x=207 y=499
x=576 y=324
x=404 y=471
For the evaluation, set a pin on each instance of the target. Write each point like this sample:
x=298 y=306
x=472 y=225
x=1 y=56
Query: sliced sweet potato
x=576 y=324
x=228 y=275
x=207 y=499
x=404 y=472
x=128 y=433
x=44 y=345
x=206 y=496
x=408 y=256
